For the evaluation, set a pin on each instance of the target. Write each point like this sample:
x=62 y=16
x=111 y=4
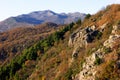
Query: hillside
x=14 y=41
x=88 y=50
x=39 y=17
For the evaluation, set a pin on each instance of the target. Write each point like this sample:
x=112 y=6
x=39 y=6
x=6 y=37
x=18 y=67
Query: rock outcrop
x=115 y=29
x=81 y=38
x=111 y=41
x=113 y=37
x=89 y=68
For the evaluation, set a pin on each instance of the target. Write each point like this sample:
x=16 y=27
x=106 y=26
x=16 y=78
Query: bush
x=118 y=22
x=88 y=16
x=107 y=50
x=9 y=70
x=99 y=35
x=98 y=61
x=68 y=75
x=32 y=55
x=79 y=22
x=16 y=77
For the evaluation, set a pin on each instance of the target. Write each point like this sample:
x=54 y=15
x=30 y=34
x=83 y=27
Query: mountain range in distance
x=39 y=17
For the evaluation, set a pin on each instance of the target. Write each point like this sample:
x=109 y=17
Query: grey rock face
x=89 y=68
x=81 y=38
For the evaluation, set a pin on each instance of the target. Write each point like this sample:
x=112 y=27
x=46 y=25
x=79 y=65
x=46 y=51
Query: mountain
x=88 y=50
x=39 y=17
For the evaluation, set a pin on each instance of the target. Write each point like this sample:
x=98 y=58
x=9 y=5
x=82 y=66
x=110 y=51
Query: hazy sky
x=16 y=7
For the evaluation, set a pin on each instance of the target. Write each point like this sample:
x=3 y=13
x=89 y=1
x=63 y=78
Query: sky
x=10 y=8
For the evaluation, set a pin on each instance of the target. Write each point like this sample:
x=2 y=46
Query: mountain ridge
x=39 y=17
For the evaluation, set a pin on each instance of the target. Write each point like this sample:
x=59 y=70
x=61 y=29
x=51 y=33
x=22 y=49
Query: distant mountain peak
x=50 y=13
x=39 y=17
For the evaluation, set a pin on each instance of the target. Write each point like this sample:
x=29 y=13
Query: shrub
x=98 y=61
x=107 y=50
x=16 y=77
x=68 y=75
x=32 y=55
x=118 y=22
x=88 y=16
x=99 y=35
x=9 y=70
x=79 y=22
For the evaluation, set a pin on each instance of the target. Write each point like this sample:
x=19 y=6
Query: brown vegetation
x=14 y=41
x=110 y=15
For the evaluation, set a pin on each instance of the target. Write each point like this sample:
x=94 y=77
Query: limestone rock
x=110 y=42
x=115 y=29
x=81 y=38
x=93 y=27
x=89 y=68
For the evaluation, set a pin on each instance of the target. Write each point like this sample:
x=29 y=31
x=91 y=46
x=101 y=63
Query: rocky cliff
x=81 y=38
